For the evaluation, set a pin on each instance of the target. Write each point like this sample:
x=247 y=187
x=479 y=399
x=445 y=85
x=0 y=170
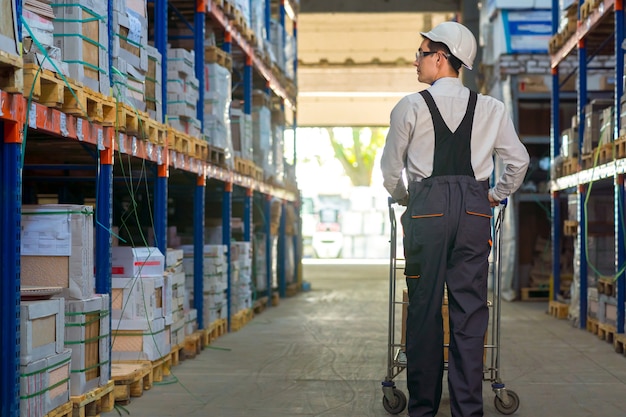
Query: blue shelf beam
x=198 y=248
x=281 y=258
x=268 y=248
x=227 y=205
x=160 y=208
x=10 y=225
x=104 y=207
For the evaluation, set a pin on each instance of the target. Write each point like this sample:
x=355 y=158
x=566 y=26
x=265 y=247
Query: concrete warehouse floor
x=322 y=353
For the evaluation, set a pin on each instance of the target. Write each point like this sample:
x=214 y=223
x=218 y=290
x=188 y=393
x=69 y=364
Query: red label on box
x=147 y=263
x=118 y=270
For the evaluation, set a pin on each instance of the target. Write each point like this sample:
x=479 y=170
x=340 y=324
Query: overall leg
x=469 y=313
x=425 y=254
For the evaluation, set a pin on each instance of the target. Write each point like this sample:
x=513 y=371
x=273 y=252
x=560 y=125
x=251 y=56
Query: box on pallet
x=128 y=262
x=191 y=321
x=154 y=82
x=57 y=248
x=8 y=28
x=87 y=334
x=41 y=324
x=45 y=384
x=140 y=340
x=81 y=32
x=131 y=34
x=137 y=298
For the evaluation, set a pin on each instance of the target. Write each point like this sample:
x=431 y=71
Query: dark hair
x=440 y=46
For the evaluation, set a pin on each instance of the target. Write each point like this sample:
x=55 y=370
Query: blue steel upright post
x=227 y=204
x=247 y=215
x=582 y=189
x=198 y=44
x=160 y=207
x=104 y=222
x=619 y=180
x=160 y=42
x=11 y=207
x=268 y=247
x=198 y=248
x=555 y=147
x=281 y=258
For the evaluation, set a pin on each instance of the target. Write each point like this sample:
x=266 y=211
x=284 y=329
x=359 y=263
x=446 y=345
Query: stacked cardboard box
x=241 y=276
x=81 y=33
x=87 y=334
x=217 y=100
x=215 y=280
x=262 y=133
x=175 y=274
x=139 y=304
x=182 y=92
x=241 y=132
x=38 y=42
x=154 y=82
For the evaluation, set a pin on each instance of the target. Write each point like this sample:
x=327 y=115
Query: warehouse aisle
x=322 y=354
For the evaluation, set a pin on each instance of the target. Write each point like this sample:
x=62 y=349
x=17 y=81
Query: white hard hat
x=458 y=38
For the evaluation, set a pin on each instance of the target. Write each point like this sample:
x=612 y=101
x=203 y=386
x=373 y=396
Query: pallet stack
x=241 y=276
x=139 y=305
x=182 y=92
x=11 y=76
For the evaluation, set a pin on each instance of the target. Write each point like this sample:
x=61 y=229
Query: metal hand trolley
x=394 y=400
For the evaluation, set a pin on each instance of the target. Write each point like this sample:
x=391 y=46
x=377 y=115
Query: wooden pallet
x=217 y=156
x=240 y=319
x=292 y=289
x=193 y=345
x=94 y=402
x=620 y=147
x=588 y=7
x=260 y=305
x=217 y=329
x=199 y=149
x=535 y=294
x=587 y=161
x=592 y=325
x=606 y=332
x=84 y=102
x=606 y=153
x=558 y=309
x=43 y=86
x=131 y=379
x=177 y=354
x=130 y=120
x=161 y=367
x=570 y=166
x=606 y=286
x=570 y=228
x=619 y=343
x=213 y=54
x=11 y=74
x=64 y=410
x=179 y=141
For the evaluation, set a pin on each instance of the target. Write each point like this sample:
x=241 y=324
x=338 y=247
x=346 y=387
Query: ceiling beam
x=378 y=6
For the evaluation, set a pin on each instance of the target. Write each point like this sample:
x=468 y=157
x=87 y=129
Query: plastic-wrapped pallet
x=241 y=132
x=45 y=384
x=57 y=248
x=241 y=276
x=262 y=139
x=217 y=100
x=88 y=336
x=260 y=262
x=182 y=91
x=277 y=47
x=257 y=21
x=81 y=33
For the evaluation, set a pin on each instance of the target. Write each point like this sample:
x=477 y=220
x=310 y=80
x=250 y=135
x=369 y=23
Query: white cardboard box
x=57 y=248
x=45 y=384
x=130 y=262
x=137 y=298
x=140 y=340
x=41 y=324
x=88 y=335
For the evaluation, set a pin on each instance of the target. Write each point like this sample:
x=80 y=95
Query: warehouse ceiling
x=377 y=6
x=355 y=58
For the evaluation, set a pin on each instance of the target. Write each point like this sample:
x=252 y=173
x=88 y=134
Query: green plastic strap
x=50 y=388
x=78 y=35
x=91 y=19
x=136 y=44
x=88 y=322
x=135 y=334
x=87 y=64
x=78 y=371
x=84 y=342
x=82 y=7
x=56 y=365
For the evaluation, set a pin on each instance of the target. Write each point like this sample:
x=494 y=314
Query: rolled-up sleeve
x=394 y=153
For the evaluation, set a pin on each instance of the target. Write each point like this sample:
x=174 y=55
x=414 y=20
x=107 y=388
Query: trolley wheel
x=511 y=407
x=400 y=402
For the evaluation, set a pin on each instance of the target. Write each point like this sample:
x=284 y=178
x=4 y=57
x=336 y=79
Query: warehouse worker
x=445 y=137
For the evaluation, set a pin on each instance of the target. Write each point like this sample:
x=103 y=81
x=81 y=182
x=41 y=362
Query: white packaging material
x=88 y=336
x=57 y=248
x=41 y=324
x=45 y=384
x=140 y=340
x=191 y=321
x=130 y=262
x=137 y=298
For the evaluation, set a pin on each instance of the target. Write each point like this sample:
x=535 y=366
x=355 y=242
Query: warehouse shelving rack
x=95 y=147
x=599 y=31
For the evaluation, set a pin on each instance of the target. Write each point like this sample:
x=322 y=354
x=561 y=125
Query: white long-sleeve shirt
x=411 y=138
